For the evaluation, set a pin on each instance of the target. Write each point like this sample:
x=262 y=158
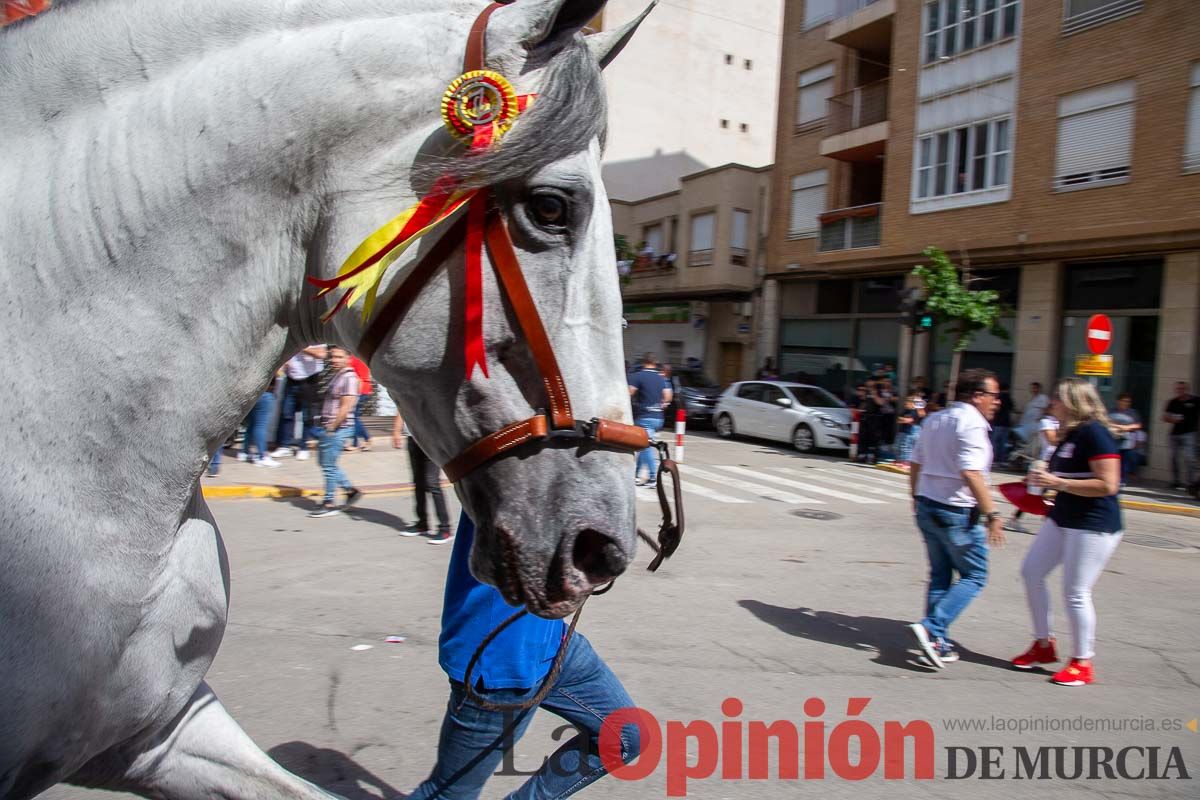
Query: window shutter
x=815 y=87
x=1191 y=149
x=1095 y=136
x=808 y=202
x=702 y=232
x=741 y=224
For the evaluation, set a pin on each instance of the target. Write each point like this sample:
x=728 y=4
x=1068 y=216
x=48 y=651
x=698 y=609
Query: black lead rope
x=670 y=534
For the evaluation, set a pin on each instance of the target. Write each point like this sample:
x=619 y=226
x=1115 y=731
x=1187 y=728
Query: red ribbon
x=473 y=352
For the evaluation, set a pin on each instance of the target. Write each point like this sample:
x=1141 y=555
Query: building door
x=731 y=363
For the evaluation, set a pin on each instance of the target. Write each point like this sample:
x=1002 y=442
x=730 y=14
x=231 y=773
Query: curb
x=1134 y=505
x=252 y=491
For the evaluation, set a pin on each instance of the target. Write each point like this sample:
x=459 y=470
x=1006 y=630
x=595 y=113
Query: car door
x=746 y=409
x=775 y=420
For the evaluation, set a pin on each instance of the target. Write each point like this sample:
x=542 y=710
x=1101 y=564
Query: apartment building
x=694 y=89
x=699 y=254
x=1051 y=146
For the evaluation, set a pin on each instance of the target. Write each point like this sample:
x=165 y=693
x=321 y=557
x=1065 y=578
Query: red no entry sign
x=1099 y=333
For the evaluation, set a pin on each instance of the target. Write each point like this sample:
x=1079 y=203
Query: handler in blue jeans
x=473 y=739
x=650 y=393
x=953 y=503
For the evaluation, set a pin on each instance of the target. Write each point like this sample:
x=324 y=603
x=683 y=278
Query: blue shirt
x=647 y=401
x=1090 y=442
x=520 y=657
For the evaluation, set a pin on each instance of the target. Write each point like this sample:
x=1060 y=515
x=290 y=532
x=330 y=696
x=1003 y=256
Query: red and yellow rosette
x=478 y=108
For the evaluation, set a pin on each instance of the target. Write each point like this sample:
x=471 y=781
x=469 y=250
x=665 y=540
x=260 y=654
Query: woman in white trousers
x=1081 y=531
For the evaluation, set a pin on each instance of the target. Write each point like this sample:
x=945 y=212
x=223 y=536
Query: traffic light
x=913 y=312
x=923 y=319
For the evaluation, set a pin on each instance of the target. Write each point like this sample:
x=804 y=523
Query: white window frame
x=812 y=182
x=692 y=228
x=936 y=160
x=740 y=230
x=956 y=17
x=1109 y=99
x=814 y=81
x=1191 y=142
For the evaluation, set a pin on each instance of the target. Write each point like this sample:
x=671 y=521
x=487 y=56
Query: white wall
x=670 y=87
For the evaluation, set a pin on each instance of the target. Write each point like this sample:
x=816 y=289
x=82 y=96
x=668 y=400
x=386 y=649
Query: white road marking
x=648 y=494
x=746 y=486
x=808 y=487
x=842 y=480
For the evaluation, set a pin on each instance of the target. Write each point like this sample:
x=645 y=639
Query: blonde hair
x=1082 y=403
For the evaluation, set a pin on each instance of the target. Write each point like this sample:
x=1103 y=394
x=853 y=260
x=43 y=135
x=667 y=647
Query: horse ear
x=546 y=24
x=607 y=44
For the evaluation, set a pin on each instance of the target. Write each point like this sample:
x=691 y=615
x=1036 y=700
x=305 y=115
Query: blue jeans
x=256 y=425
x=648 y=458
x=360 y=430
x=330 y=446
x=473 y=740
x=953 y=544
x=299 y=397
x=1129 y=464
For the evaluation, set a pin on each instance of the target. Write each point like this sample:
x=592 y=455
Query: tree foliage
x=964 y=311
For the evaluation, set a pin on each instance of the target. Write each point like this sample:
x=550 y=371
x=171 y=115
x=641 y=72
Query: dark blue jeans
x=954 y=544
x=648 y=458
x=473 y=740
x=999 y=444
x=299 y=397
x=360 y=430
x=1129 y=464
x=256 y=425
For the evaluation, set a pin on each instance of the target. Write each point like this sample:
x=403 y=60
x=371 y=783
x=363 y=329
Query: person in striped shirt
x=337 y=420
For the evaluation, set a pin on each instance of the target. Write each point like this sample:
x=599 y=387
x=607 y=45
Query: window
x=702 y=233
x=1080 y=15
x=724 y=123
x=967 y=159
x=956 y=26
x=771 y=394
x=1113 y=285
x=813 y=89
x=652 y=235
x=808 y=203
x=748 y=64
x=1191 y=147
x=750 y=391
x=818 y=12
x=743 y=127
x=1095 y=137
x=728 y=58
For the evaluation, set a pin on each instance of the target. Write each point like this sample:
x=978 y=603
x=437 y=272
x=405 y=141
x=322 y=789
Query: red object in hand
x=1019 y=496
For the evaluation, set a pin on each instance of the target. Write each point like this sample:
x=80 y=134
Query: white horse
x=171 y=172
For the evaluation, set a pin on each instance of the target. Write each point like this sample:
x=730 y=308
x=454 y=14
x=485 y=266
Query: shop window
x=1005 y=282
x=879 y=295
x=1107 y=285
x=835 y=297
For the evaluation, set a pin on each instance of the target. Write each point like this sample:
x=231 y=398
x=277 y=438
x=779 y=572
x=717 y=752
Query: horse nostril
x=597 y=556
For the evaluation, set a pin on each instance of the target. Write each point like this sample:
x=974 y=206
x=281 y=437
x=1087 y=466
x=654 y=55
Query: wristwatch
x=992 y=516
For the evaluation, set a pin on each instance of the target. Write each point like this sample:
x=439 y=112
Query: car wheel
x=724 y=426
x=803 y=439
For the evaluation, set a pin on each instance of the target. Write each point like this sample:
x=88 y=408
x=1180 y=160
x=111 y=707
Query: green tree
x=964 y=311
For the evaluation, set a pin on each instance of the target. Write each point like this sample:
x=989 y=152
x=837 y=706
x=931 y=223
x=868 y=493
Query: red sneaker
x=1037 y=654
x=1076 y=674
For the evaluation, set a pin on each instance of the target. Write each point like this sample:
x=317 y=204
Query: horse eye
x=548 y=210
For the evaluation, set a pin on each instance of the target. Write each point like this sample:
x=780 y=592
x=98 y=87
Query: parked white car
x=806 y=416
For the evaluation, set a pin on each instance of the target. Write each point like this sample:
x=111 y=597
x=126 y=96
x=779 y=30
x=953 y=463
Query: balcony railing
x=845 y=8
x=850 y=228
x=858 y=108
x=648 y=264
x=738 y=256
x=700 y=258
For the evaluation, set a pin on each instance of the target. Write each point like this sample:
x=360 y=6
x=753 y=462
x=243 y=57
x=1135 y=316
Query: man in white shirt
x=953 y=502
x=1035 y=409
x=300 y=395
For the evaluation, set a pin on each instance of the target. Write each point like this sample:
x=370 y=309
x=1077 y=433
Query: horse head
x=554 y=519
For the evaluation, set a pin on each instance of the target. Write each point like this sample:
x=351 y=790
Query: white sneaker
x=242 y=457
x=1015 y=526
x=302 y=455
x=282 y=452
x=267 y=461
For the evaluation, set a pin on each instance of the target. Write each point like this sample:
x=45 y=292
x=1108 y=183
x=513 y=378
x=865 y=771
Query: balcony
x=646 y=265
x=851 y=228
x=857 y=123
x=700 y=258
x=864 y=25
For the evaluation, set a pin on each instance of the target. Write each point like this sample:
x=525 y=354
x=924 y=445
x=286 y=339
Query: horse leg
x=203 y=754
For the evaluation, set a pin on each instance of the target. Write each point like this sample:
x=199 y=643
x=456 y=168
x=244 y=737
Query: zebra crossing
x=809 y=486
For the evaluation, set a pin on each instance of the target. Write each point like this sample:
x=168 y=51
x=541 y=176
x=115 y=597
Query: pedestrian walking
x=1081 y=532
x=300 y=396
x=510 y=670
x=649 y=393
x=1182 y=412
x=337 y=419
x=908 y=427
x=1002 y=426
x=427 y=482
x=1033 y=412
x=256 y=430
x=1126 y=422
x=955 y=511
x=364 y=394
x=1047 y=433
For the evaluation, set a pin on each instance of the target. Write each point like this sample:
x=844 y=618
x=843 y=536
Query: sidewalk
x=1139 y=495
x=380 y=469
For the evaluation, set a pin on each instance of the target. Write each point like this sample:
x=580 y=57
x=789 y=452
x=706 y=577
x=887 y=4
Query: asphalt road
x=795 y=581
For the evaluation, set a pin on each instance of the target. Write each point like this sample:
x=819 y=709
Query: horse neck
x=183 y=207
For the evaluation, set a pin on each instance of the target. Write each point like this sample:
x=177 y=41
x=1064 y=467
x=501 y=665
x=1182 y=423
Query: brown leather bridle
x=559 y=423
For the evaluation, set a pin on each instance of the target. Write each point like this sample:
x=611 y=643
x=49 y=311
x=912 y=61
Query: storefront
x=1130 y=294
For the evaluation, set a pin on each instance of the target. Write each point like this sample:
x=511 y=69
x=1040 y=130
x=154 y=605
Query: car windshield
x=816 y=397
x=695 y=380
